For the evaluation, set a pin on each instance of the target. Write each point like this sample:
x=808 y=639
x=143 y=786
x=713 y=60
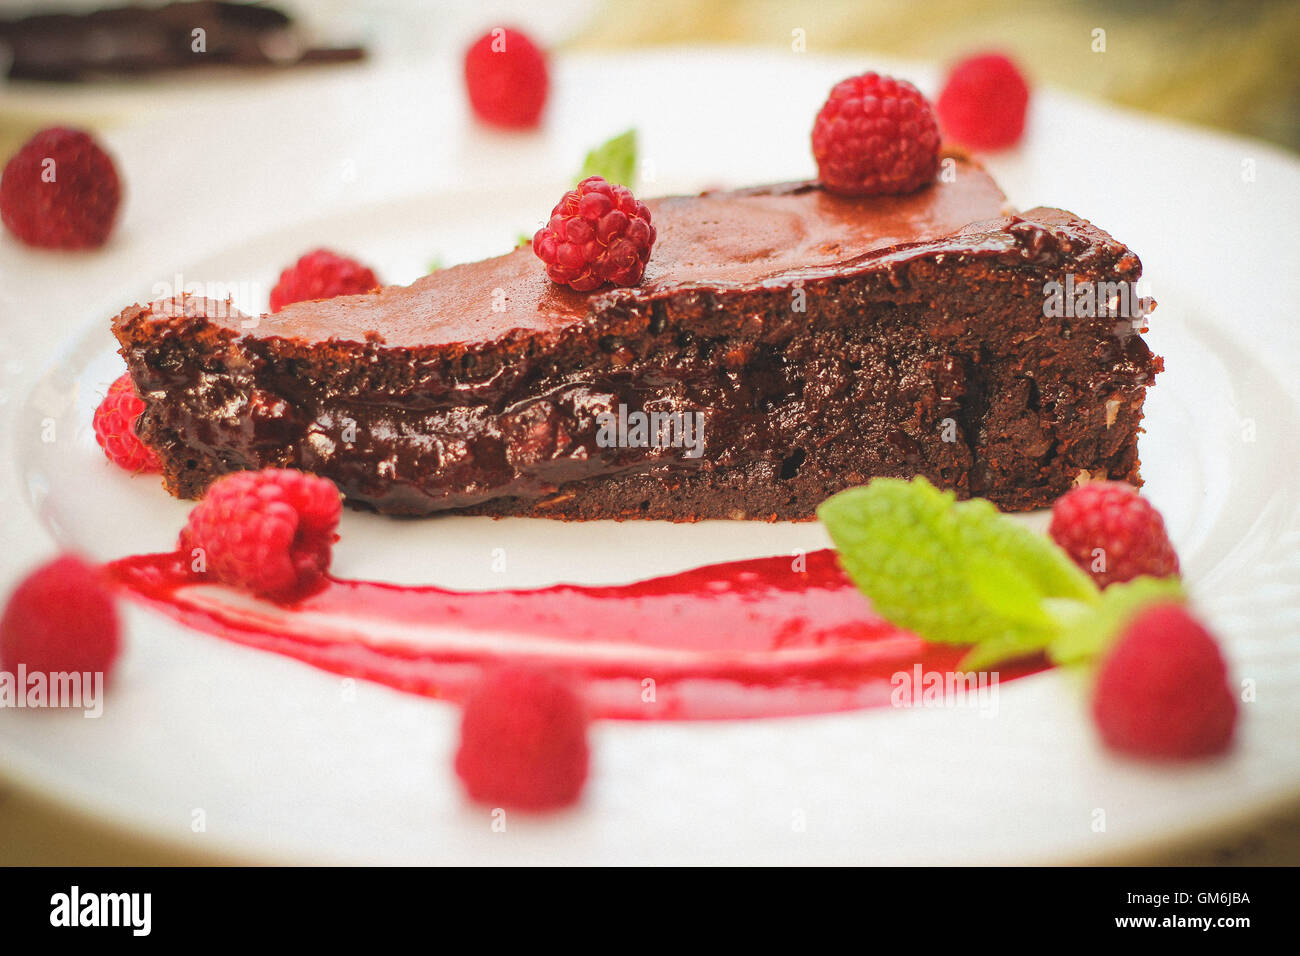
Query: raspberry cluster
x=523 y=741
x=1112 y=532
x=60 y=619
x=321 y=274
x=269 y=531
x=507 y=79
x=1162 y=690
x=875 y=135
x=60 y=191
x=598 y=234
x=983 y=103
x=114 y=425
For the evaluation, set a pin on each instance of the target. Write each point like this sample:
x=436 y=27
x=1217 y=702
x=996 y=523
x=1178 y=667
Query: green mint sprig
x=615 y=160
x=963 y=573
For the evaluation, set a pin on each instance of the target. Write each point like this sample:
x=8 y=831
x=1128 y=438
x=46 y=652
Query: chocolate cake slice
x=784 y=344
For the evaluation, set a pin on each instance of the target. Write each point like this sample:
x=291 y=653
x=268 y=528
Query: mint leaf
x=435 y=264
x=954 y=573
x=614 y=159
x=523 y=239
x=1085 y=637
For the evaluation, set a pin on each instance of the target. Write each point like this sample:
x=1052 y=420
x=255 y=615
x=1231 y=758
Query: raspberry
x=61 y=618
x=321 y=274
x=60 y=191
x=983 y=102
x=1162 y=690
x=1112 y=532
x=115 y=429
x=266 y=531
x=875 y=135
x=598 y=233
x=507 y=79
x=523 y=741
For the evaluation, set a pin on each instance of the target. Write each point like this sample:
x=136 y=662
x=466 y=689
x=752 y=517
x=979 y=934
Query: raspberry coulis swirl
x=765 y=637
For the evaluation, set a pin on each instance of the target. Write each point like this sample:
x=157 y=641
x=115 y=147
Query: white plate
x=286 y=764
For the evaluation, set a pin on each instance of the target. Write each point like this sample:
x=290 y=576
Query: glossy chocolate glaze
x=730 y=241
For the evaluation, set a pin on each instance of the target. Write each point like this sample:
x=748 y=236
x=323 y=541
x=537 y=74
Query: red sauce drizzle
x=755 y=638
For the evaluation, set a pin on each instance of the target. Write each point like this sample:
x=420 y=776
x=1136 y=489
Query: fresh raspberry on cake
x=321 y=274
x=875 y=135
x=269 y=532
x=507 y=79
x=60 y=619
x=983 y=103
x=523 y=741
x=115 y=429
x=1162 y=690
x=60 y=191
x=1112 y=532
x=598 y=233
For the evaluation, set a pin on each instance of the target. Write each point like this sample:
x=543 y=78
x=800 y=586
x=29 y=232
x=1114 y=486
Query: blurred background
x=1229 y=64
x=1225 y=65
